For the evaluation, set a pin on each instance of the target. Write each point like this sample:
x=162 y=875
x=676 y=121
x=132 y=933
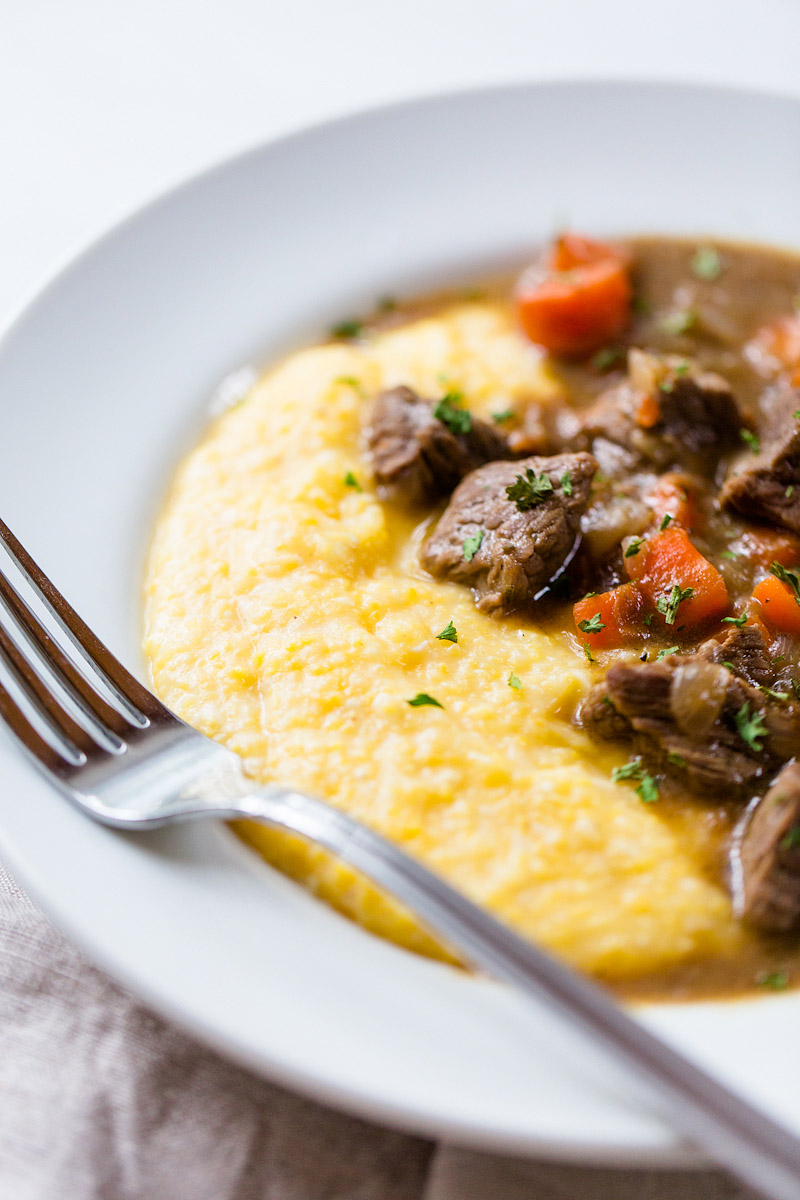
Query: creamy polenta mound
x=288 y=618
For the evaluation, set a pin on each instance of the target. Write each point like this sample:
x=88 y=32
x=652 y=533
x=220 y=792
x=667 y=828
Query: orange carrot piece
x=776 y=346
x=619 y=613
x=669 y=560
x=767 y=546
x=648 y=413
x=672 y=496
x=779 y=608
x=581 y=303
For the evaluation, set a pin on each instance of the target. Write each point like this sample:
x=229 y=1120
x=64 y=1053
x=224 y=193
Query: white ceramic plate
x=104 y=381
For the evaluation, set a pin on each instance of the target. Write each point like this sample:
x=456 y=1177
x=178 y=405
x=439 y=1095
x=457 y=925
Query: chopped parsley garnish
x=351 y=482
x=707 y=264
x=667 y=518
x=566 y=483
x=771 y=692
x=448 y=634
x=347 y=329
x=591 y=624
x=514 y=681
x=472 y=545
x=789 y=491
x=648 y=619
x=422 y=698
x=676 y=759
x=682 y=368
x=750 y=439
x=668 y=605
x=751 y=728
x=349 y=381
x=506 y=414
x=591 y=658
x=529 y=489
x=777 y=981
x=679 y=322
x=664 y=653
x=740 y=621
x=606 y=358
x=790 y=578
x=796 y=414
x=667 y=385
x=634 y=769
x=457 y=420
x=634 y=547
x=730 y=554
x=791 y=840
x=795 y=688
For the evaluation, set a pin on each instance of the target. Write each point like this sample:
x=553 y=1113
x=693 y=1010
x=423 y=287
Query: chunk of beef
x=686 y=716
x=744 y=651
x=666 y=413
x=601 y=719
x=416 y=455
x=506 y=555
x=766 y=486
x=769 y=857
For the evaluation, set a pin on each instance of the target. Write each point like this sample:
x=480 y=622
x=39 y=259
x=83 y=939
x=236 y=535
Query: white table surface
x=105 y=103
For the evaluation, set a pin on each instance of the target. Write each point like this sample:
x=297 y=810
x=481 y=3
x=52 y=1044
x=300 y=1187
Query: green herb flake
x=566 y=483
x=789 y=491
x=772 y=693
x=422 y=699
x=750 y=439
x=457 y=419
x=730 y=554
x=591 y=624
x=648 y=619
x=751 y=728
x=587 y=651
x=665 y=653
x=796 y=414
x=727 y=663
x=667 y=518
x=448 y=634
x=682 y=368
x=351 y=482
x=668 y=604
x=530 y=489
x=667 y=385
x=795 y=688
x=347 y=330
x=791 y=839
x=506 y=414
x=606 y=358
x=472 y=544
x=386 y=304
x=706 y=264
x=776 y=981
x=677 y=760
x=676 y=323
x=514 y=681
x=740 y=621
x=634 y=769
x=790 y=578
x=634 y=547
x=349 y=381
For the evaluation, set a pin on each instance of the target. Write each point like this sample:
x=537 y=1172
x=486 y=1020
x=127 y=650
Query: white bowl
x=104 y=382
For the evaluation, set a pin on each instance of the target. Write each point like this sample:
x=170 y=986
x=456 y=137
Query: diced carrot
x=581 y=302
x=768 y=546
x=669 y=560
x=619 y=613
x=648 y=413
x=673 y=497
x=779 y=607
x=776 y=346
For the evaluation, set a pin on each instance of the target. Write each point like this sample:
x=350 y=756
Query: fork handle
x=735 y=1134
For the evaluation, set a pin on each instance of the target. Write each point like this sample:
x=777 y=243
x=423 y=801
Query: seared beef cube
x=509 y=549
x=697 y=721
x=769 y=857
x=766 y=486
x=667 y=412
x=599 y=717
x=416 y=455
x=744 y=651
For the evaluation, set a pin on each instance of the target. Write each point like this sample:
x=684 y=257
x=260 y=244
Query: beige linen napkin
x=101 y=1100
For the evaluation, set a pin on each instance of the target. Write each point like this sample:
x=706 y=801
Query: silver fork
x=133 y=764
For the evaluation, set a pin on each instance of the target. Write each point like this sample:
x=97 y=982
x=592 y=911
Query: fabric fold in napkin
x=102 y=1100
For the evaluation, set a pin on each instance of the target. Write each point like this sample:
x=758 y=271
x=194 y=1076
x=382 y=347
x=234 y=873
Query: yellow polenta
x=287 y=617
